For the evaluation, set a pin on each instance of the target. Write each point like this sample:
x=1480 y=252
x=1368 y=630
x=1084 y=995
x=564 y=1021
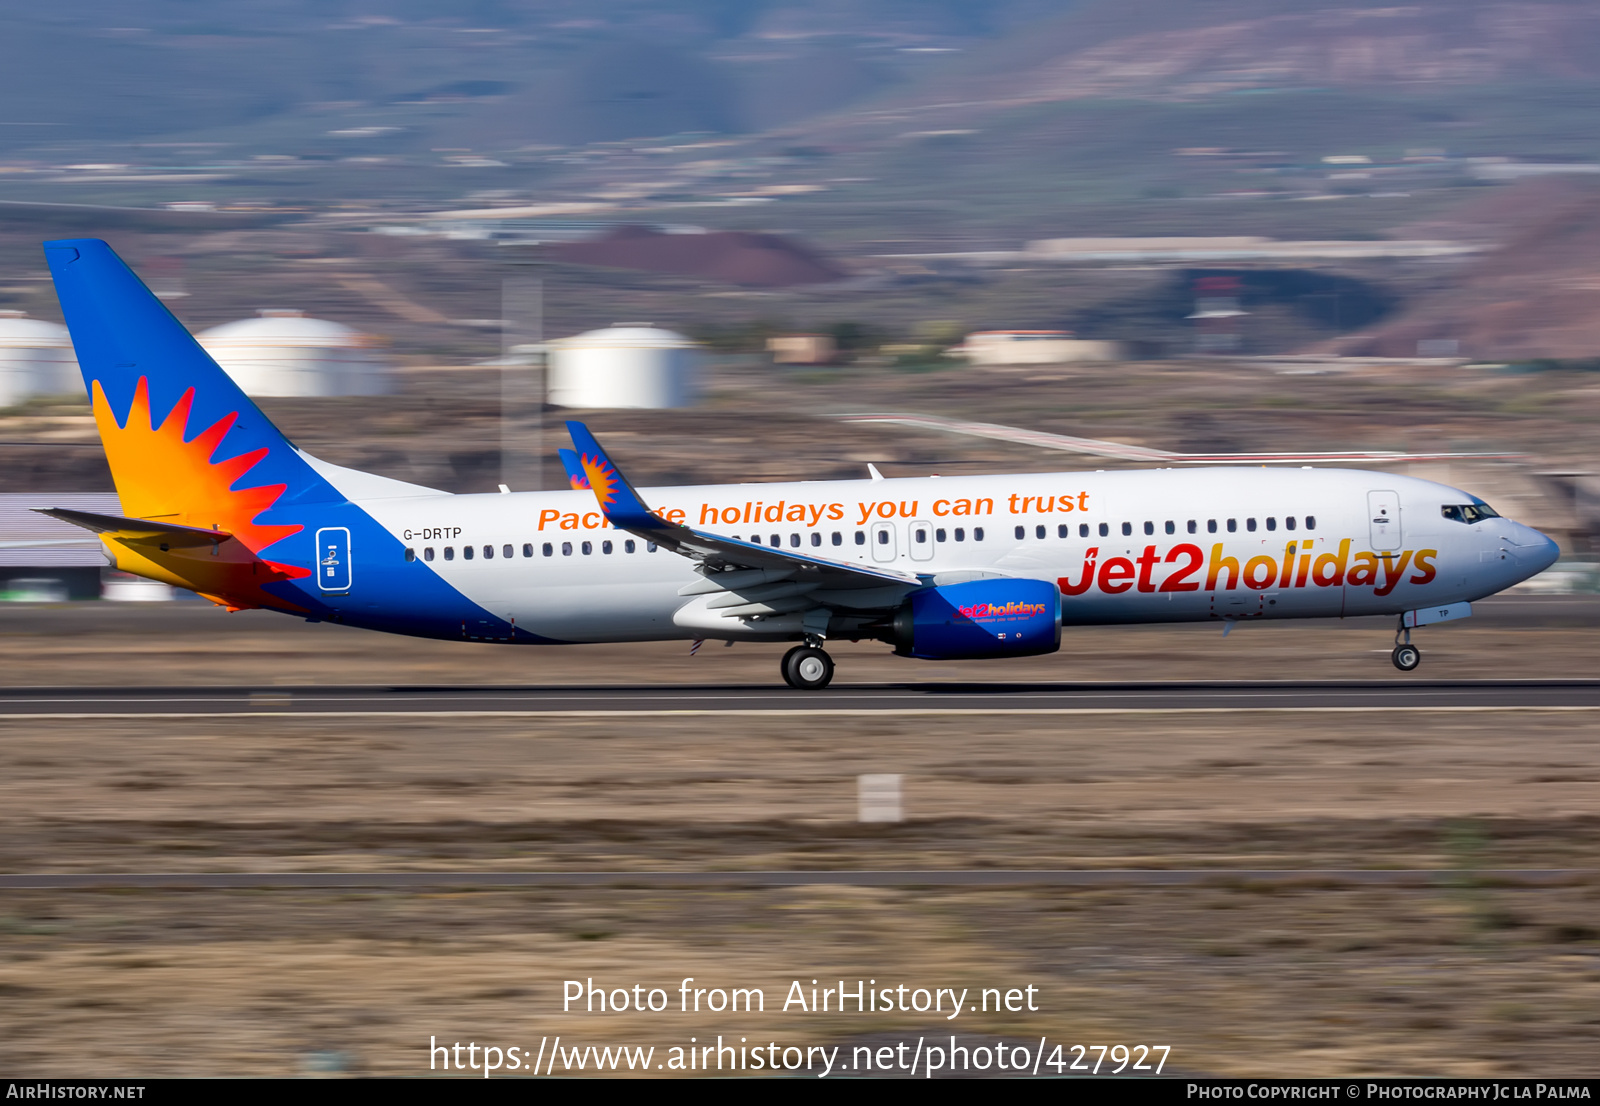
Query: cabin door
x=1383 y=513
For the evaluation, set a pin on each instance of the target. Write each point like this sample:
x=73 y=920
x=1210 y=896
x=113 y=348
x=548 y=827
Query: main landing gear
x=807 y=667
x=1406 y=656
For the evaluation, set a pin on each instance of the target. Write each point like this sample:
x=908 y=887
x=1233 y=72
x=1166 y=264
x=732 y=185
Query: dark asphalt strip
x=1311 y=695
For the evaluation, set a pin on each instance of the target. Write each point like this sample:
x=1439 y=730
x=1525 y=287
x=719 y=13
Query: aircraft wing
x=138 y=531
x=626 y=511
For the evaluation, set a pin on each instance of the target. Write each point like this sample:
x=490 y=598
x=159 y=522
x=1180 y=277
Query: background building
x=1033 y=347
x=43 y=559
x=801 y=349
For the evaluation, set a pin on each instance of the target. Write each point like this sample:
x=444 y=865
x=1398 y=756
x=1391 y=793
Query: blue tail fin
x=184 y=442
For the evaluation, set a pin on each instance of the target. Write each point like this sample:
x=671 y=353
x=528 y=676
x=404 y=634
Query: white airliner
x=215 y=499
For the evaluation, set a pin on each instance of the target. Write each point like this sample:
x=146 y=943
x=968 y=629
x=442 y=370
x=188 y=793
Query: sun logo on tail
x=160 y=475
x=602 y=478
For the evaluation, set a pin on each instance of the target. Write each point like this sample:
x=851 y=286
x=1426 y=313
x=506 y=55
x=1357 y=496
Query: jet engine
x=980 y=618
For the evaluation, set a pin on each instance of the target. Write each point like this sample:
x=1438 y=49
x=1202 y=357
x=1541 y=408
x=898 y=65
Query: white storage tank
x=626 y=365
x=287 y=353
x=36 y=359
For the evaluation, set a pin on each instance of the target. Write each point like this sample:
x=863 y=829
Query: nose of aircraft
x=1535 y=552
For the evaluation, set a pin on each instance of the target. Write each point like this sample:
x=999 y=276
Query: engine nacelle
x=980 y=618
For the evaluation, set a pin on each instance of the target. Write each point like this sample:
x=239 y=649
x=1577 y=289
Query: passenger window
x=961 y=535
x=977 y=533
x=1250 y=525
x=1063 y=530
x=1149 y=528
x=527 y=549
x=566 y=549
x=1288 y=523
x=816 y=537
x=508 y=552
x=1194 y=527
x=794 y=541
x=627 y=546
x=1172 y=527
x=777 y=540
x=883 y=537
x=1083 y=529
x=1211 y=526
x=1105 y=530
x=411 y=554
x=1127 y=529
x=861 y=537
x=1021 y=533
x=466 y=553
x=588 y=548
x=1272 y=523
x=427 y=553
x=1038 y=531
x=449 y=552
x=1311 y=522
x=649 y=547
x=838 y=538
x=605 y=547
x=920 y=535
x=1233 y=526
x=549 y=550
x=939 y=535
x=488 y=552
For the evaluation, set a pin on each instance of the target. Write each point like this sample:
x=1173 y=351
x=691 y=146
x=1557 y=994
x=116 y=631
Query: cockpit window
x=1468 y=512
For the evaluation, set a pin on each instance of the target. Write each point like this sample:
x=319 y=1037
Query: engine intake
x=981 y=618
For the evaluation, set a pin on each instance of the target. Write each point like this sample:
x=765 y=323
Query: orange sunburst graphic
x=161 y=477
x=602 y=478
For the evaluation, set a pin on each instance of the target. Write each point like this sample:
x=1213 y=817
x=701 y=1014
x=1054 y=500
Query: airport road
x=900 y=699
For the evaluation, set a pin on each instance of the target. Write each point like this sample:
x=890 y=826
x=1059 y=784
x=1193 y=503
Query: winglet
x=618 y=501
x=575 y=474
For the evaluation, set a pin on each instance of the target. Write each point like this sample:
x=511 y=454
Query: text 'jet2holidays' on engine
x=216 y=499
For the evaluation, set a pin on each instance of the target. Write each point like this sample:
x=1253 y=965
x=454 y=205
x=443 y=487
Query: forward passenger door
x=1383 y=511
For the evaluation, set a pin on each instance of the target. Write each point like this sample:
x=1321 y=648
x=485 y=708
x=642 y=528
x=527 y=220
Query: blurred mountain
x=728 y=257
x=596 y=70
x=1537 y=296
x=1184 y=50
x=569 y=72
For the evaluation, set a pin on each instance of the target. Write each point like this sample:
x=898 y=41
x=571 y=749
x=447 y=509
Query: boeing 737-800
x=216 y=499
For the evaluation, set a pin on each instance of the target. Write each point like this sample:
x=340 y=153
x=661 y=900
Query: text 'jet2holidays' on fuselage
x=216 y=499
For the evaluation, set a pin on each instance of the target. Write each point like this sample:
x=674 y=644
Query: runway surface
x=1311 y=878
x=921 y=698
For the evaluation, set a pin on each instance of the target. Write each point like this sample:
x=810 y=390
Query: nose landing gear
x=807 y=668
x=1406 y=656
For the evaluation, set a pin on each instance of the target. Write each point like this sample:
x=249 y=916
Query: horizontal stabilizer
x=140 y=531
